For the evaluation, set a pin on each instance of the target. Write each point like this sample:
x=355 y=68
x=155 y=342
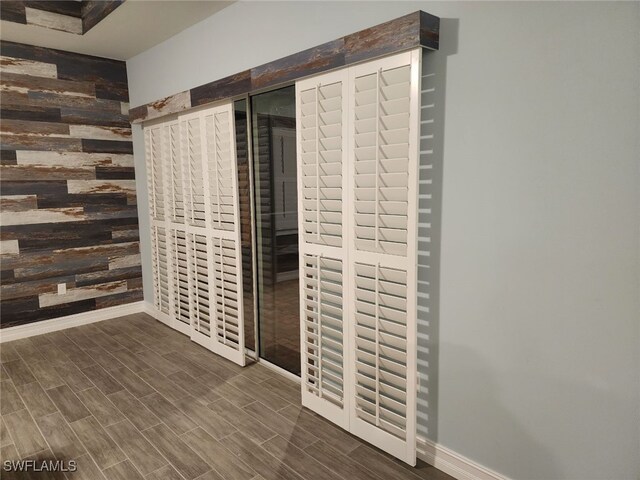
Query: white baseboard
x=60 y=323
x=453 y=463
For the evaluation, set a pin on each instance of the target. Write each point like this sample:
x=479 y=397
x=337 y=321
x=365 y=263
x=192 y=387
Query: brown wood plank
x=226 y=87
x=94 y=11
x=318 y=59
x=12 y=11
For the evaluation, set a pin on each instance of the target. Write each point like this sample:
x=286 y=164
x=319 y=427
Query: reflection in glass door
x=276 y=216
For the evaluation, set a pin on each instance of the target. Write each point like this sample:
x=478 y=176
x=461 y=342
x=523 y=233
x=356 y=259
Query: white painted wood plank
x=54 y=21
x=9 y=247
x=28 y=67
x=43 y=215
x=74 y=159
x=82 y=293
x=101 y=186
x=96 y=132
x=124 y=262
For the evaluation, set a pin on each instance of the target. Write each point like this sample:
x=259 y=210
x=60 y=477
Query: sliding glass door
x=276 y=225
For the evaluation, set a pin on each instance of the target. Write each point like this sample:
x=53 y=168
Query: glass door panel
x=276 y=216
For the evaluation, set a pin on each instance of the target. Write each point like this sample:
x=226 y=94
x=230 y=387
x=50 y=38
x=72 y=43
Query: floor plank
x=60 y=437
x=100 y=406
x=98 y=443
x=24 y=432
x=37 y=401
x=68 y=403
x=135 y=411
x=219 y=458
x=183 y=458
x=143 y=455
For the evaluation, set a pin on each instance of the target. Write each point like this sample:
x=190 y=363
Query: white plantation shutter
x=384 y=128
x=193 y=187
x=321 y=105
x=357 y=154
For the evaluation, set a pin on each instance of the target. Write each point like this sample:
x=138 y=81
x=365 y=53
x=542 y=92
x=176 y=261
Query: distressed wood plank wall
x=67 y=186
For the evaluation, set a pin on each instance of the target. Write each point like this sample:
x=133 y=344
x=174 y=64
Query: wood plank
x=22 y=66
x=36 y=400
x=106 y=146
x=24 y=432
x=171 y=416
x=296 y=459
x=244 y=422
x=99 y=132
x=14 y=82
x=259 y=459
x=10 y=400
x=82 y=293
x=175 y=103
x=5 y=438
x=105 y=412
x=94 y=11
x=64 y=443
x=54 y=21
x=13 y=11
x=106 y=383
x=210 y=92
x=30 y=112
x=134 y=410
x=216 y=427
x=18 y=203
x=68 y=403
x=97 y=442
x=280 y=424
x=31 y=142
x=183 y=458
x=219 y=458
x=324 y=57
x=18 y=372
x=36 y=172
x=74 y=159
x=141 y=453
x=101 y=186
x=87 y=469
x=63 y=7
x=123 y=471
x=46 y=374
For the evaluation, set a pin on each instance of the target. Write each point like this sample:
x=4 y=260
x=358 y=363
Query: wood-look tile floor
x=131 y=399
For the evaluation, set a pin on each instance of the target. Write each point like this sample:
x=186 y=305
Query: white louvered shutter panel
x=193 y=169
x=321 y=105
x=156 y=144
x=384 y=125
x=227 y=337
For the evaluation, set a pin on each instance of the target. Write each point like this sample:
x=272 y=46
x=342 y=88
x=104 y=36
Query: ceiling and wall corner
x=129 y=29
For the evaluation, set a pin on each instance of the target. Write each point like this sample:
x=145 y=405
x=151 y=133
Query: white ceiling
x=132 y=28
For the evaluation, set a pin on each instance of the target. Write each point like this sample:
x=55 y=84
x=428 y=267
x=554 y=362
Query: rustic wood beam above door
x=418 y=29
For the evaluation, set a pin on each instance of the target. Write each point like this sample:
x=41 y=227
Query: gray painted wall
x=535 y=331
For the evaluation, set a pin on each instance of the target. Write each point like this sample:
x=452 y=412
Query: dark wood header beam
x=418 y=29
